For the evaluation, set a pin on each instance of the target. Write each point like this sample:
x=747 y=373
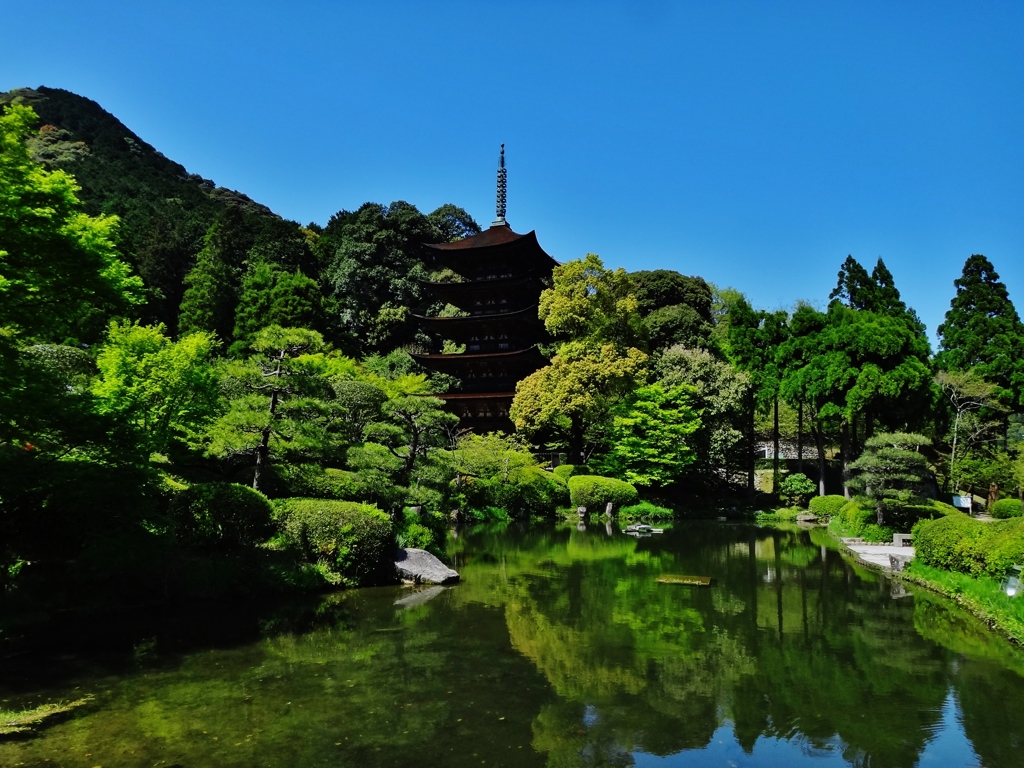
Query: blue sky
x=754 y=144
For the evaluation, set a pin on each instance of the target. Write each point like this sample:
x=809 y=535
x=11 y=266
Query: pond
x=559 y=648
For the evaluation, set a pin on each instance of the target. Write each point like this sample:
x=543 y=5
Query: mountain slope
x=164 y=210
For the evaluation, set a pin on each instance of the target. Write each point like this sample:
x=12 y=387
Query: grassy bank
x=980 y=595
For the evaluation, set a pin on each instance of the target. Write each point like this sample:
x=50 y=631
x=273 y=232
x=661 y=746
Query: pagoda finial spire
x=502 y=190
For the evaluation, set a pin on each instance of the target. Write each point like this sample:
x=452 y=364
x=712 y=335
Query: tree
x=983 y=333
x=568 y=401
x=851 y=365
x=60 y=275
x=891 y=472
x=213 y=283
x=272 y=296
x=676 y=308
x=374 y=259
x=591 y=312
x=278 y=405
x=967 y=395
x=648 y=439
x=754 y=340
x=719 y=393
x=587 y=301
x=167 y=390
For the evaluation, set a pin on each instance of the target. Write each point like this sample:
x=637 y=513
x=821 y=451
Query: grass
x=784 y=515
x=27 y=720
x=981 y=596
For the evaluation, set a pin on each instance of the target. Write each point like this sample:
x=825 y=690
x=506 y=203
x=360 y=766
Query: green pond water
x=559 y=648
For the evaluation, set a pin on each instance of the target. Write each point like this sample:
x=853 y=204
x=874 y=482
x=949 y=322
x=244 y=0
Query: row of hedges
x=961 y=543
x=343 y=542
x=858 y=518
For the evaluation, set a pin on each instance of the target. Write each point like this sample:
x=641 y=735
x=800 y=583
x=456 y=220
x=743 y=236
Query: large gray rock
x=421 y=567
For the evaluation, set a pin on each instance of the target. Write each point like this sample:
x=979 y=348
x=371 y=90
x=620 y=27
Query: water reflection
x=559 y=648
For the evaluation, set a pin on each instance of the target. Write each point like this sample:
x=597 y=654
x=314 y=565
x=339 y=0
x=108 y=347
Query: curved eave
x=530 y=276
x=493 y=243
x=519 y=315
x=530 y=354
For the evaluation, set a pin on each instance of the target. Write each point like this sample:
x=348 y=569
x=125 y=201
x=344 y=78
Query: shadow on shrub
x=348 y=542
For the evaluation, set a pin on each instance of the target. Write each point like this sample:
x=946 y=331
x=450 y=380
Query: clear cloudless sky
x=755 y=144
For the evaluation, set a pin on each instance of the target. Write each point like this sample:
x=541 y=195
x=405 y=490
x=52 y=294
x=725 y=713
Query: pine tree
x=983 y=333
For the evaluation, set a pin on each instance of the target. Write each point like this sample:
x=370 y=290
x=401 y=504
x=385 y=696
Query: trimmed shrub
x=565 y=471
x=960 y=543
x=224 y=516
x=1006 y=508
x=827 y=506
x=351 y=541
x=528 y=490
x=796 y=488
x=646 y=510
x=594 y=491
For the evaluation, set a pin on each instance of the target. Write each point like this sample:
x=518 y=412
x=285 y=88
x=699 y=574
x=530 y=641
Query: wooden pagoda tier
x=497 y=332
x=503 y=274
x=487 y=296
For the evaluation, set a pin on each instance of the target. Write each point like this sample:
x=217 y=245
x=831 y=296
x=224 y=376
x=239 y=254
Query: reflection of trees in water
x=792 y=642
x=987 y=679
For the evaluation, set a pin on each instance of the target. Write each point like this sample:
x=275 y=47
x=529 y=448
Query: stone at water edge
x=420 y=566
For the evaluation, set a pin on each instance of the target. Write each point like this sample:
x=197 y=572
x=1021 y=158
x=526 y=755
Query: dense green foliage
x=827 y=506
x=796 y=489
x=221 y=516
x=891 y=472
x=960 y=543
x=347 y=541
x=1005 y=508
x=594 y=492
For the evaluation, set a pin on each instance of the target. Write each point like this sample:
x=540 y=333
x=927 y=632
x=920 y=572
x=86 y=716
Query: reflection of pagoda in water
x=503 y=274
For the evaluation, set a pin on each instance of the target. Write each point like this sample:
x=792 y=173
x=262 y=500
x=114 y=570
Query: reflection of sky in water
x=950 y=745
x=723 y=751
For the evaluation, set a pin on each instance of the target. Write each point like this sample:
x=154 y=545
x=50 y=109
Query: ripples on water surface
x=558 y=649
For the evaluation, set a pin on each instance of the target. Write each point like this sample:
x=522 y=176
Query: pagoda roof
x=496 y=239
x=494 y=235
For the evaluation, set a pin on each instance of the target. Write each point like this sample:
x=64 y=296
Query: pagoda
x=502 y=274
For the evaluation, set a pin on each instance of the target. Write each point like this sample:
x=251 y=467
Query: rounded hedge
x=961 y=543
x=1006 y=508
x=353 y=541
x=597 y=491
x=224 y=516
x=827 y=506
x=565 y=471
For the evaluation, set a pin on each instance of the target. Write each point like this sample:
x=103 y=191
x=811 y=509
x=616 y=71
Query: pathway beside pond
x=878 y=554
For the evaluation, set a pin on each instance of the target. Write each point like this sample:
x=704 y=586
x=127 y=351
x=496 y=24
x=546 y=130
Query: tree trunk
x=880 y=508
x=844 y=437
x=775 y=445
x=751 y=440
x=819 y=443
x=264 y=447
x=800 y=438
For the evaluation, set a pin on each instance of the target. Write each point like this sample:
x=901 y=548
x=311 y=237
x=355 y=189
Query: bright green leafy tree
x=60 y=275
x=168 y=390
x=648 y=438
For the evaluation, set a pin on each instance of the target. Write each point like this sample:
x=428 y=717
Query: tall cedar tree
x=983 y=333
x=213 y=284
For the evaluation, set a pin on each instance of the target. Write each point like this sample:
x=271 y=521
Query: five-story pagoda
x=502 y=275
